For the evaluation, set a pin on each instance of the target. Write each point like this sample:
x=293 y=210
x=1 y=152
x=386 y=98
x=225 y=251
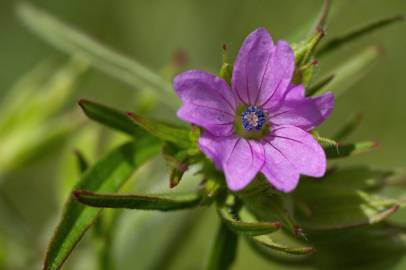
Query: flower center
x=253 y=118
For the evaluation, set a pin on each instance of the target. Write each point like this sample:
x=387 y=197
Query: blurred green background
x=150 y=32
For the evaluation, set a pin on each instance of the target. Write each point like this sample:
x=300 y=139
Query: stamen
x=253 y=118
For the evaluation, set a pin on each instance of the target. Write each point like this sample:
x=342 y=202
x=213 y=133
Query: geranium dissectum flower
x=261 y=122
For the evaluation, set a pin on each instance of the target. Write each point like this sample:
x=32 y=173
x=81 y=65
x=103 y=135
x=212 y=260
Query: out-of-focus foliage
x=28 y=124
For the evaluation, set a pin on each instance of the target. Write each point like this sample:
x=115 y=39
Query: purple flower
x=261 y=123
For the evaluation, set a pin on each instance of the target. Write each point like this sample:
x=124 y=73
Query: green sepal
x=304 y=74
x=226 y=70
x=224 y=249
x=349 y=149
x=267 y=241
x=110 y=117
x=250 y=228
x=167 y=202
x=177 y=159
x=304 y=50
x=357 y=33
x=324 y=141
x=163 y=131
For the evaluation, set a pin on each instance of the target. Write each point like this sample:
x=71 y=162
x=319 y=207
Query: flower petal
x=300 y=111
x=278 y=170
x=207 y=101
x=251 y=67
x=240 y=159
x=300 y=148
x=279 y=76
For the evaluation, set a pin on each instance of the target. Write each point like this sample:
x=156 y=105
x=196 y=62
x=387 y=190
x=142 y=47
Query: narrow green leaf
x=86 y=139
x=348 y=128
x=81 y=161
x=107 y=175
x=74 y=42
x=224 y=249
x=167 y=202
x=267 y=241
x=163 y=131
x=268 y=205
x=349 y=149
x=247 y=228
x=351 y=71
x=110 y=117
x=357 y=33
x=319 y=85
x=274 y=256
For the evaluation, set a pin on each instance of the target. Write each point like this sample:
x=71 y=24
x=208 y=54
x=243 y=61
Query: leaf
x=340 y=200
x=163 y=131
x=107 y=175
x=267 y=241
x=224 y=249
x=354 y=34
x=74 y=42
x=349 y=149
x=165 y=202
x=83 y=164
x=247 y=228
x=352 y=123
x=350 y=72
x=86 y=141
x=319 y=85
x=268 y=205
x=110 y=117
